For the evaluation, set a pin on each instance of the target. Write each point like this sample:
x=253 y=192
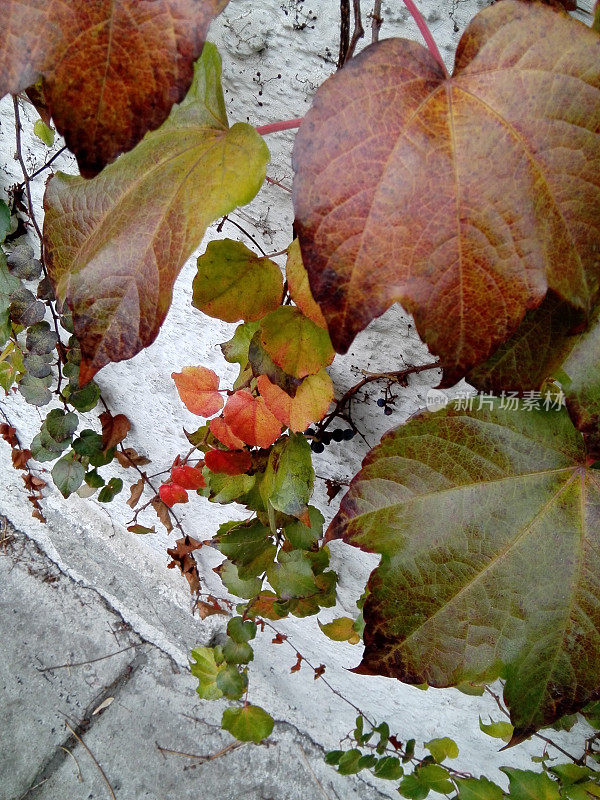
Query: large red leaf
x=134 y=59
x=115 y=244
x=198 y=389
x=464 y=198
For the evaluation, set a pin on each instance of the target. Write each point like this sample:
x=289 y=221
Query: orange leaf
x=299 y=288
x=221 y=430
x=250 y=419
x=231 y=463
x=309 y=404
x=171 y=493
x=188 y=477
x=197 y=387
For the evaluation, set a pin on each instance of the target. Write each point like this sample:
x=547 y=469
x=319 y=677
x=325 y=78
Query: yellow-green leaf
x=295 y=343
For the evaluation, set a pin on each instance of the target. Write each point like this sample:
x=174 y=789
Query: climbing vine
x=473 y=200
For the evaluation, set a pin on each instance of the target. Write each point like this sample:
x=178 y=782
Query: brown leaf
x=279 y=638
x=114 y=429
x=162 y=512
x=319 y=671
x=129 y=457
x=298 y=664
x=9 y=434
x=464 y=198
x=209 y=609
x=183 y=558
x=136 y=492
x=33 y=483
x=134 y=57
x=333 y=488
x=20 y=458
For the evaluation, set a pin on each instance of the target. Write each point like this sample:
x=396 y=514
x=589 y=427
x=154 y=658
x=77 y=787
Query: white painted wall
x=271 y=70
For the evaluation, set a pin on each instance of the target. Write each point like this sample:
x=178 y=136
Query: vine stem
x=283 y=125
x=398 y=376
x=426 y=34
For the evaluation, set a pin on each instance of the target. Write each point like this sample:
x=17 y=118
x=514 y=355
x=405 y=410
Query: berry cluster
x=322 y=439
x=387 y=409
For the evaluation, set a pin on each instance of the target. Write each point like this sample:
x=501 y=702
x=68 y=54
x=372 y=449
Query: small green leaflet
x=248 y=724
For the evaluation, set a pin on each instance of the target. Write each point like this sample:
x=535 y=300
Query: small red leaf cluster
x=183 y=477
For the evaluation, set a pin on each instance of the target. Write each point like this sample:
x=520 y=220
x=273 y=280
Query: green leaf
x=498 y=730
x=241 y=630
x=479 y=516
x=289 y=477
x=223 y=488
x=95 y=481
x=478 y=789
x=35 y=390
x=231 y=681
x=235 y=351
x=348 y=763
x=44 y=132
x=228 y=573
x=187 y=173
x=292 y=576
x=68 y=474
x=38 y=366
x=572 y=773
x=592 y=714
x=140 y=529
x=61 y=425
x=442 y=748
x=4 y=223
x=333 y=757
x=22 y=263
x=39 y=452
x=110 y=491
x=206 y=666
x=527 y=785
x=249 y=546
x=84 y=399
x=300 y=536
x=248 y=724
x=40 y=338
x=412 y=787
x=233 y=283
x=388 y=768
x=9 y=284
x=237 y=652
x=295 y=343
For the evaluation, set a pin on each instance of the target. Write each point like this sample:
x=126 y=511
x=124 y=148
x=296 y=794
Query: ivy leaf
x=289 y=477
x=260 y=363
x=527 y=785
x=340 y=630
x=22 y=263
x=248 y=724
x=235 y=351
x=295 y=343
x=115 y=267
x=309 y=404
x=442 y=748
x=40 y=338
x=499 y=730
x=478 y=517
x=68 y=474
x=249 y=546
x=35 y=390
x=221 y=431
x=230 y=681
x=44 y=132
x=420 y=188
x=134 y=56
x=301 y=536
x=110 y=491
x=61 y=425
x=299 y=288
x=241 y=630
x=207 y=663
x=478 y=789
x=188 y=477
x=223 y=488
x=171 y=493
x=228 y=573
x=250 y=420
x=4 y=221
x=198 y=390
x=233 y=283
x=388 y=768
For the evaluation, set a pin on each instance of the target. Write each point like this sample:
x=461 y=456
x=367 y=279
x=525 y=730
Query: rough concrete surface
x=82 y=586
x=50 y=622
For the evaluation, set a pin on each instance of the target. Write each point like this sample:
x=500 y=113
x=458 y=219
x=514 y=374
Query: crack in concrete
x=55 y=761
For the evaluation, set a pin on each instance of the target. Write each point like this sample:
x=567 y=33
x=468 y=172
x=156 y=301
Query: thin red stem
x=427 y=35
x=274 y=127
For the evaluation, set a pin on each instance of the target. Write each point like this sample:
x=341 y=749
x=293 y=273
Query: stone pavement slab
x=151 y=722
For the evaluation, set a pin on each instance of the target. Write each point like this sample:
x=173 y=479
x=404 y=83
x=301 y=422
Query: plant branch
x=242 y=230
x=376 y=21
x=397 y=376
x=46 y=165
x=93 y=757
x=89 y=661
x=426 y=34
x=358 y=31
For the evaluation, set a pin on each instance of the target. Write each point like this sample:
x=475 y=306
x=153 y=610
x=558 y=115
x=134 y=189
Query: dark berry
x=381 y=402
x=348 y=434
x=337 y=435
x=317 y=447
x=326 y=438
x=309 y=432
x=387 y=411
